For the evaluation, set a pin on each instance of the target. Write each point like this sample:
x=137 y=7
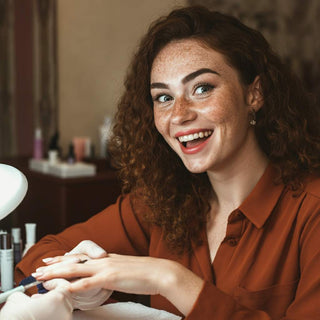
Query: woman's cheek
x=161 y=120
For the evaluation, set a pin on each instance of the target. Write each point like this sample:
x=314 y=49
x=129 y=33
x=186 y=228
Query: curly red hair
x=287 y=125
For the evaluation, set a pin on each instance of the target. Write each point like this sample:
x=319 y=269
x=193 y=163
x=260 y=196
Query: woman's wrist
x=181 y=287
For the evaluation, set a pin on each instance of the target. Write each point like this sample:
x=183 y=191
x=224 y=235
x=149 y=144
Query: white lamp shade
x=13 y=188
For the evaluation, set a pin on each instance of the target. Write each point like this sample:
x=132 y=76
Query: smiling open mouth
x=193 y=140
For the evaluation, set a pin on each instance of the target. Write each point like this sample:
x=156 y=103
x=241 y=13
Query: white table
x=124 y=311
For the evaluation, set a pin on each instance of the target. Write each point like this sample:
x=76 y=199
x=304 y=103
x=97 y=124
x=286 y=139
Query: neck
x=234 y=183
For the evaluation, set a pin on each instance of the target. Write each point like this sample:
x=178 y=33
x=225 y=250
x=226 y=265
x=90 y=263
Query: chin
x=195 y=168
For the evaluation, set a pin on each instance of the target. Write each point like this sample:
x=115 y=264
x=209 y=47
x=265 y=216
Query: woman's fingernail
x=46 y=260
x=37 y=274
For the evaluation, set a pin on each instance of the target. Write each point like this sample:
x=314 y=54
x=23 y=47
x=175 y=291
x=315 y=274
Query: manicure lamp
x=13 y=188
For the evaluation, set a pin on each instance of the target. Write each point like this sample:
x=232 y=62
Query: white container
x=6 y=266
x=30 y=236
x=74 y=170
x=40 y=165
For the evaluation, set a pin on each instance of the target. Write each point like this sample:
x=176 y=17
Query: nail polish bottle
x=38 y=145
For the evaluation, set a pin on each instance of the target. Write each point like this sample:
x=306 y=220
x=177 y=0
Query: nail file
x=4 y=296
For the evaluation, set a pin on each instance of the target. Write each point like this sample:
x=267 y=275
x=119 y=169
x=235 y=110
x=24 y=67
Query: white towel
x=124 y=311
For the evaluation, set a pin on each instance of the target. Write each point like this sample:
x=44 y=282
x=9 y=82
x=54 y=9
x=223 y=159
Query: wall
x=96 y=39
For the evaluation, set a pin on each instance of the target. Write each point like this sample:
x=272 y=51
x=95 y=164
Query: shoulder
x=303 y=204
x=132 y=205
x=127 y=210
x=312 y=186
x=136 y=203
x=308 y=219
x=308 y=202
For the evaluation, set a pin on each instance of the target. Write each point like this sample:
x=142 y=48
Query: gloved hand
x=85 y=250
x=85 y=300
x=53 y=305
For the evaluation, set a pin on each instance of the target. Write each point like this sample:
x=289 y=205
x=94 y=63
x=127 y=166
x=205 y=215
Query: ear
x=255 y=95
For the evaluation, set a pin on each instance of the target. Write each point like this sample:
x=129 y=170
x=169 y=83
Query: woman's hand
x=84 y=251
x=130 y=274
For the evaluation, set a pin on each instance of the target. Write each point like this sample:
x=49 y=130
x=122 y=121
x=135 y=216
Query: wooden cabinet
x=56 y=203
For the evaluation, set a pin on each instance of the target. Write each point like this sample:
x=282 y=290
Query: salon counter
x=55 y=203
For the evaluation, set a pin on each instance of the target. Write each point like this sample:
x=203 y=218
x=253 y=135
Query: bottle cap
x=5 y=241
x=53 y=156
x=16 y=235
x=38 y=133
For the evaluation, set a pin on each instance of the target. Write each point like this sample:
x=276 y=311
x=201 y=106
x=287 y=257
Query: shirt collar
x=259 y=204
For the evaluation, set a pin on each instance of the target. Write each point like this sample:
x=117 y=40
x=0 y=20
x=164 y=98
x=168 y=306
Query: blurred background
x=62 y=62
x=62 y=66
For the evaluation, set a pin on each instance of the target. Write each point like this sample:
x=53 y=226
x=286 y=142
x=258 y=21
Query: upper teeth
x=190 y=137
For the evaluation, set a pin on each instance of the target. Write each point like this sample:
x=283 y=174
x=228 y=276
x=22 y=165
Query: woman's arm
x=203 y=300
x=115 y=229
x=131 y=274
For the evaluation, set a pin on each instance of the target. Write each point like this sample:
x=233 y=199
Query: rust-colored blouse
x=267 y=267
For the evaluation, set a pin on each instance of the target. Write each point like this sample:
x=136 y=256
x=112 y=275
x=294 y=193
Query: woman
x=218 y=148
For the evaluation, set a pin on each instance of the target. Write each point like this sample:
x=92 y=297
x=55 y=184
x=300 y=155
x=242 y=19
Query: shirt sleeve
x=212 y=303
x=115 y=229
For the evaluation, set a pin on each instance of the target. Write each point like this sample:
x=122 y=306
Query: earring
x=253 y=120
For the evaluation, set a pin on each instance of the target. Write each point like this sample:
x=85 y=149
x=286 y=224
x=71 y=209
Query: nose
x=182 y=111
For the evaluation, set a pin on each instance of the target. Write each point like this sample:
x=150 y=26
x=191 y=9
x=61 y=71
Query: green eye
x=203 y=88
x=163 y=98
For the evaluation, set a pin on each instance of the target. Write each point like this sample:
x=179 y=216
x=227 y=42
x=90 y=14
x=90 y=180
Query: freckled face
x=200 y=106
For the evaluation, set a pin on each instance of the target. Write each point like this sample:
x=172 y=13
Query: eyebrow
x=187 y=78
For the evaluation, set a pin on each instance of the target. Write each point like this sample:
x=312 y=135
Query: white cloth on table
x=124 y=311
